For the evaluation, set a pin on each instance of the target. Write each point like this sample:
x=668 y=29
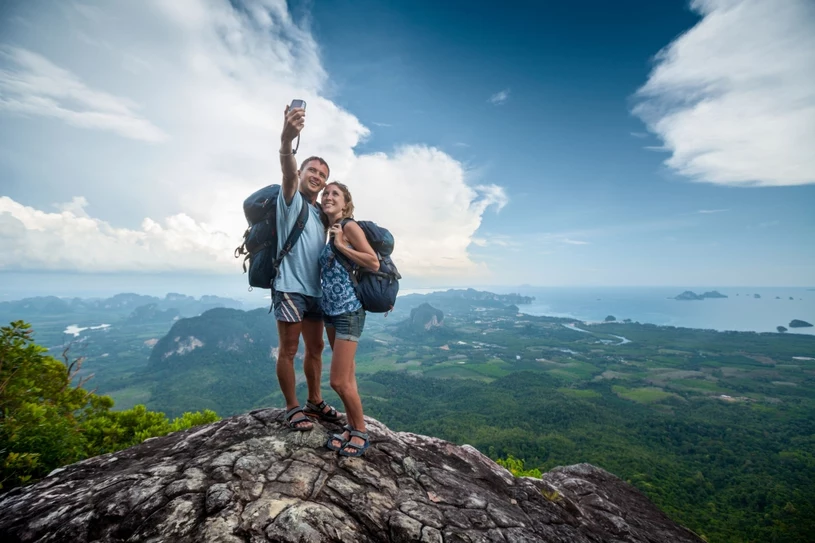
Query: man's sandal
x=318 y=411
x=338 y=437
x=295 y=423
x=349 y=449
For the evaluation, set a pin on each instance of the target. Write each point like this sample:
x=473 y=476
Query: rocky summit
x=248 y=479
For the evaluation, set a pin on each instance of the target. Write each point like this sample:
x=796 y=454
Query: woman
x=342 y=310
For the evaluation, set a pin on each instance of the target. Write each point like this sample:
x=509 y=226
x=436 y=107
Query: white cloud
x=496 y=240
x=569 y=241
x=31 y=85
x=710 y=211
x=420 y=194
x=733 y=98
x=75 y=207
x=500 y=97
x=215 y=79
x=73 y=241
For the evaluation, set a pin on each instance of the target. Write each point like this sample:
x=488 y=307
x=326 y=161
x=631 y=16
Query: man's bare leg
x=313 y=363
x=288 y=334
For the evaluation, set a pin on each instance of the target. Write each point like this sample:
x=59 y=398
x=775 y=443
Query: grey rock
x=249 y=479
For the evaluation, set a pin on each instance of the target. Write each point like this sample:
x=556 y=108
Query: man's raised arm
x=293 y=124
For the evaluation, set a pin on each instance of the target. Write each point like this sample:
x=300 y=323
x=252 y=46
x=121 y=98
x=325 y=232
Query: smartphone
x=298 y=104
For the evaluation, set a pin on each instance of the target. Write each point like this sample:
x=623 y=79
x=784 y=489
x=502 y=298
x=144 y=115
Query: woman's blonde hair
x=348 y=210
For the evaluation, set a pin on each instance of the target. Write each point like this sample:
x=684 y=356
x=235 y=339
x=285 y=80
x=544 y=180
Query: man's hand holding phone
x=295 y=119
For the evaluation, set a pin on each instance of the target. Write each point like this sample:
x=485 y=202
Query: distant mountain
x=223 y=360
x=120 y=305
x=462 y=301
x=216 y=332
x=423 y=319
x=152 y=313
x=484 y=296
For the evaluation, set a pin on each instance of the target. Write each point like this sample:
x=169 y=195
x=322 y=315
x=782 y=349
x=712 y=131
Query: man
x=297 y=286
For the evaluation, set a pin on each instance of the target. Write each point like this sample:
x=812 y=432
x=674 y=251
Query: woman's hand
x=339 y=237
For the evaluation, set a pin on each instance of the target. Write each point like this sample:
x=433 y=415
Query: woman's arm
x=351 y=242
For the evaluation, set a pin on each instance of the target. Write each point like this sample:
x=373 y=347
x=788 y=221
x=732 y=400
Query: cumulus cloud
x=500 y=97
x=421 y=194
x=73 y=241
x=733 y=98
x=203 y=84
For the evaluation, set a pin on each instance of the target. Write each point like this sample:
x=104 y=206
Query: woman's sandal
x=317 y=410
x=338 y=437
x=355 y=450
x=293 y=423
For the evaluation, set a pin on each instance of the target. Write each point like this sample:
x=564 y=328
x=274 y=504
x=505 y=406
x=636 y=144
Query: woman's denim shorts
x=347 y=326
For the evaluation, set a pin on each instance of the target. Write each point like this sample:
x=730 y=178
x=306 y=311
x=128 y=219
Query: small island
x=713 y=294
x=690 y=295
x=796 y=323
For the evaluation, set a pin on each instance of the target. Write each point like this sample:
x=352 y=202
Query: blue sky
x=583 y=143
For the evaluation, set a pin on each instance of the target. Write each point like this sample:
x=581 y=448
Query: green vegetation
x=642 y=395
x=47 y=421
x=728 y=470
x=577 y=393
x=718 y=429
x=517 y=468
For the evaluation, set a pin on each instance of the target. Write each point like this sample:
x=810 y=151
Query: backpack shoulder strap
x=347 y=264
x=297 y=229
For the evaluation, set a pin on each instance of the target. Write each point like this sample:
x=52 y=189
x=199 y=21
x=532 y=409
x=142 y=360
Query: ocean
x=741 y=310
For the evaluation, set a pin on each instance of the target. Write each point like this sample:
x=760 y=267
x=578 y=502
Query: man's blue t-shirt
x=300 y=270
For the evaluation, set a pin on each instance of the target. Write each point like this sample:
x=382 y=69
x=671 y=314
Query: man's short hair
x=318 y=159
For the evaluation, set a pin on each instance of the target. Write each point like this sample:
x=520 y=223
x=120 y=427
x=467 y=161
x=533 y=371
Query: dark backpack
x=376 y=290
x=260 y=239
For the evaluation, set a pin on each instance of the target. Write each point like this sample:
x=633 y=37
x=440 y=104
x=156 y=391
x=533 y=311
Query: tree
x=47 y=420
x=780 y=329
x=611 y=318
x=517 y=467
